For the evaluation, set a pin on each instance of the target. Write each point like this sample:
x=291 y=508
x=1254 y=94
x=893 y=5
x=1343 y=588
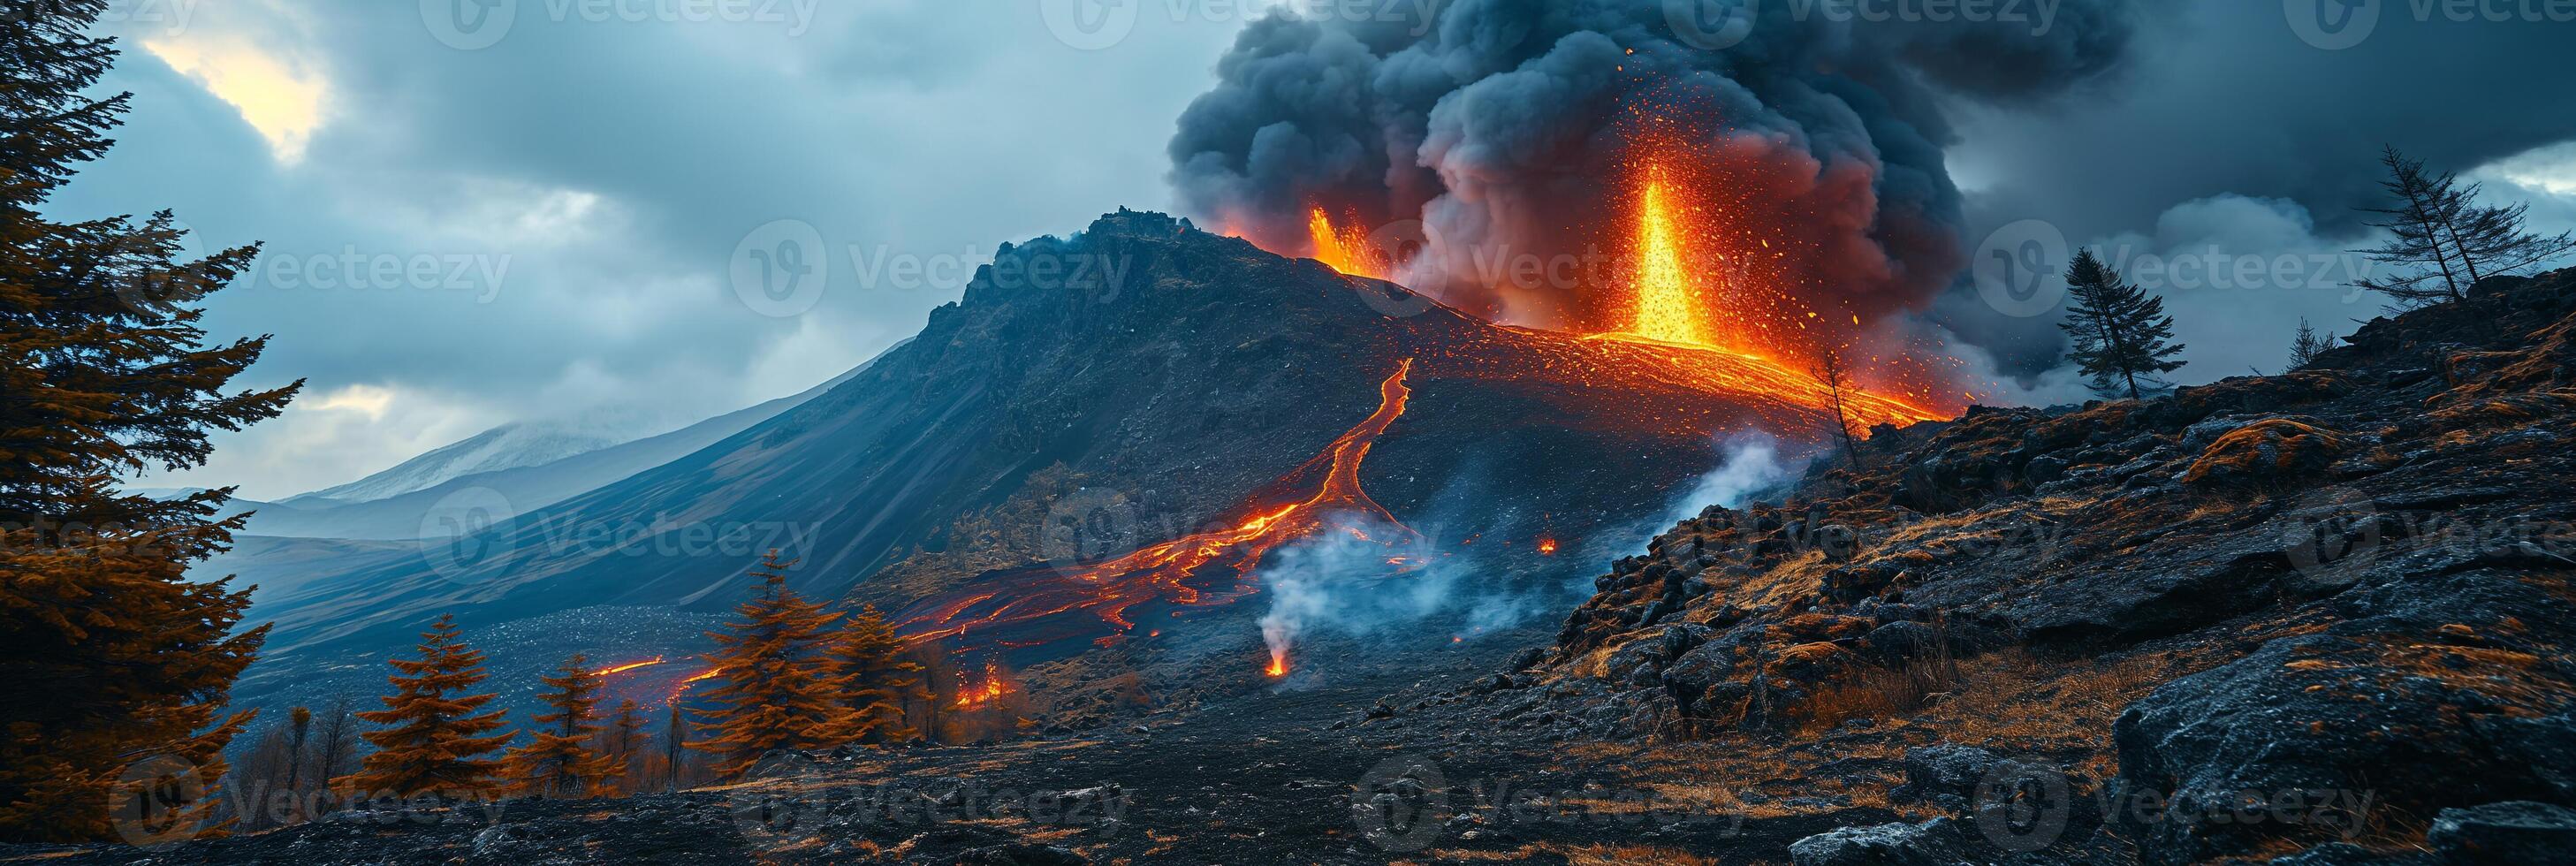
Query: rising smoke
x=1747 y=465
x=1342 y=585
x=1509 y=127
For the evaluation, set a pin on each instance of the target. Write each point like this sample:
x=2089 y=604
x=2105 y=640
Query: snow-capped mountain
x=509 y=446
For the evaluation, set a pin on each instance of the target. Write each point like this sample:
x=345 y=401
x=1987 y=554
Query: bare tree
x=299 y=722
x=1829 y=370
x=335 y=745
x=2443 y=241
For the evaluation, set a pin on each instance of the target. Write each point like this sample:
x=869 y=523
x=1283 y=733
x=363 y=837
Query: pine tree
x=117 y=659
x=437 y=736
x=2123 y=339
x=2307 y=345
x=557 y=760
x=874 y=676
x=776 y=692
x=623 y=742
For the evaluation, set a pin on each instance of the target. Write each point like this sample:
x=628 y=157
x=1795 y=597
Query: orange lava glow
x=1278 y=664
x=1668 y=307
x=1343 y=248
x=1547 y=547
x=619 y=669
x=976 y=695
x=693 y=679
x=1164 y=571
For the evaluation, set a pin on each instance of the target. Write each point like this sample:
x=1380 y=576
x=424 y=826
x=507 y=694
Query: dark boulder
x=1937 y=842
x=2518 y=834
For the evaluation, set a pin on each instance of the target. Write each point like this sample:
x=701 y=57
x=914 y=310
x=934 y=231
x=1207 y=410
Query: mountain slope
x=1176 y=374
x=509 y=446
x=509 y=491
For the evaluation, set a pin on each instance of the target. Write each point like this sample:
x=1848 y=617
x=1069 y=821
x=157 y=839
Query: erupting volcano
x=1173 y=572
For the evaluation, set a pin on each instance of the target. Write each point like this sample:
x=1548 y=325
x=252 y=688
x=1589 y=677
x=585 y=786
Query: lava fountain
x=1667 y=305
x=1345 y=247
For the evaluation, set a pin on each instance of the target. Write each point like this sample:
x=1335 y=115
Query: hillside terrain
x=2314 y=618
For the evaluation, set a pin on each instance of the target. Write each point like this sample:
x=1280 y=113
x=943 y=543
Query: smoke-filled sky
x=535 y=213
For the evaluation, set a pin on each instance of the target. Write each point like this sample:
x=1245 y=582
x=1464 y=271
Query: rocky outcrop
x=2348 y=587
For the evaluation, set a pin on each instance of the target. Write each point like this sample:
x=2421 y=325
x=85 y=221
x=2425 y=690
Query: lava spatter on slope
x=1026 y=606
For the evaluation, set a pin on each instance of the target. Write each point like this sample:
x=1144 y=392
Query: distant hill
x=501 y=492
x=509 y=446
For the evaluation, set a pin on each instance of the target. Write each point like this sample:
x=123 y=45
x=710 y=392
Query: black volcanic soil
x=1265 y=778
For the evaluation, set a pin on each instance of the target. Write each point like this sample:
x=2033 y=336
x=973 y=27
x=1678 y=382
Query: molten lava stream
x=619 y=669
x=1164 y=571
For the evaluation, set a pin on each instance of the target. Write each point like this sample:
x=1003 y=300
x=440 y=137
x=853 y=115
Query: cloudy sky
x=461 y=234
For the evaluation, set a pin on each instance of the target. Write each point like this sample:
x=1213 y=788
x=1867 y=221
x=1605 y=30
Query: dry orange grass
x=1583 y=855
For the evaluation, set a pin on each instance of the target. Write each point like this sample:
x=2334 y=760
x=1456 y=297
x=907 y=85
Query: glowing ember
x=1668 y=306
x=1547 y=547
x=974 y=695
x=1164 y=571
x=619 y=669
x=1343 y=248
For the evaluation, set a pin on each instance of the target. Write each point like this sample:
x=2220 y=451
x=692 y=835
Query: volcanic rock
x=2505 y=833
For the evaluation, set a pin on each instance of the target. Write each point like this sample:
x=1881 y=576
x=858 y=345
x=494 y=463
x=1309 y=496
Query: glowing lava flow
x=619 y=669
x=1667 y=306
x=1163 y=571
x=683 y=686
